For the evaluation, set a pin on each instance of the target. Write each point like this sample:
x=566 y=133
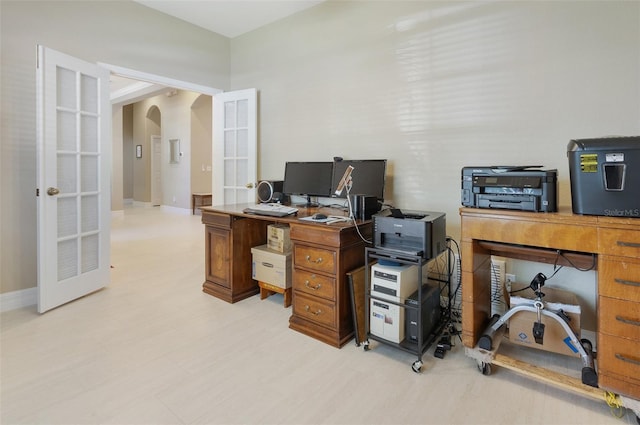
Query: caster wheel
x=416 y=366
x=586 y=344
x=365 y=346
x=484 y=368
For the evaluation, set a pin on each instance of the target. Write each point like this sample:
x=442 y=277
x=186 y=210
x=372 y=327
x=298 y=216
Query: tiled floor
x=152 y=348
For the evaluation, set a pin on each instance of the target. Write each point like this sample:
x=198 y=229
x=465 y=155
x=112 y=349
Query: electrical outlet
x=509 y=279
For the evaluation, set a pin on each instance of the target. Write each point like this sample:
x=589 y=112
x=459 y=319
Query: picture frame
x=138 y=151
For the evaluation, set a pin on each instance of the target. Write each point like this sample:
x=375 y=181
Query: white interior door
x=156 y=171
x=234 y=147
x=74 y=166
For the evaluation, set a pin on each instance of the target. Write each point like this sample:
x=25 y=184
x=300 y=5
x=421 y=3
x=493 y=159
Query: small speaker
x=266 y=190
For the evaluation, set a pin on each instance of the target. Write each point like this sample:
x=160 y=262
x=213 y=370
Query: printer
x=525 y=188
x=605 y=176
x=419 y=233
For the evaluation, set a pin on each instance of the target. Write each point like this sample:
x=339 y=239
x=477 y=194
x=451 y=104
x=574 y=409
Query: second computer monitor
x=308 y=179
x=368 y=176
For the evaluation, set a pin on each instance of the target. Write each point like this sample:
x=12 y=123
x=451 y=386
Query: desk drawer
x=314 y=284
x=619 y=277
x=620 y=358
x=315 y=310
x=319 y=259
x=619 y=242
x=619 y=318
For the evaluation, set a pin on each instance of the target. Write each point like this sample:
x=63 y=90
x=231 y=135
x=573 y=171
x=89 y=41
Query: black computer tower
x=430 y=312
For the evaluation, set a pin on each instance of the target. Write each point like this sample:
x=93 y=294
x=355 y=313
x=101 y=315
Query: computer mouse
x=319 y=216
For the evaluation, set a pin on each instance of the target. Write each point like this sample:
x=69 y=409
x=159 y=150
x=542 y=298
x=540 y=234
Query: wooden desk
x=322 y=256
x=203 y=198
x=537 y=237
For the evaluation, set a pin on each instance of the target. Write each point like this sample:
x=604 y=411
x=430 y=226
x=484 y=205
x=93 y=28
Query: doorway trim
x=158 y=79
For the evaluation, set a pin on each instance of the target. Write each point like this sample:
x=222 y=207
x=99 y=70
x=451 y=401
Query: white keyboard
x=274 y=210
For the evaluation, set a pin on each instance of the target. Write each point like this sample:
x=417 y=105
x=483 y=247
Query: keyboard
x=272 y=210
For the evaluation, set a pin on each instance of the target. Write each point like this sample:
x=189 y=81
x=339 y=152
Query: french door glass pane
x=229 y=143
x=241 y=172
x=66 y=131
x=242 y=196
x=66 y=88
x=229 y=172
x=89 y=173
x=67 y=259
x=67 y=174
x=89 y=94
x=242 y=144
x=243 y=113
x=229 y=196
x=89 y=134
x=67 y=217
x=90 y=252
x=229 y=115
x=89 y=212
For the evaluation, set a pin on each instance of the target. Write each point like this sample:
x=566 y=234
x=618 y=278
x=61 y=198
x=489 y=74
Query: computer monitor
x=308 y=179
x=367 y=177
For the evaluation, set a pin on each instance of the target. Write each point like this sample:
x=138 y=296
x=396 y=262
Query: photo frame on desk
x=138 y=151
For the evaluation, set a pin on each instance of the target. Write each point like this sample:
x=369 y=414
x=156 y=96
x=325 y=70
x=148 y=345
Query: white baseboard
x=176 y=210
x=18 y=299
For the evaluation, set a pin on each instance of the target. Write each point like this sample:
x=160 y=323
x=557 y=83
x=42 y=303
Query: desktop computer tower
x=390 y=283
x=430 y=313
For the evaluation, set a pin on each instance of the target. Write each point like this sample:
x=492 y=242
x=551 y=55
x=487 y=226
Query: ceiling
x=230 y=18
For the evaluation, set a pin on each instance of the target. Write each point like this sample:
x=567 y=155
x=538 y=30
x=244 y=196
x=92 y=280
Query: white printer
x=392 y=283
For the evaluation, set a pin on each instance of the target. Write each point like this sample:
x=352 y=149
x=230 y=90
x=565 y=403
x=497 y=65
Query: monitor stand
x=309 y=204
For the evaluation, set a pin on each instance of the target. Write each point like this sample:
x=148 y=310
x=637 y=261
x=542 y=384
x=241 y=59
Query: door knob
x=52 y=191
x=249 y=185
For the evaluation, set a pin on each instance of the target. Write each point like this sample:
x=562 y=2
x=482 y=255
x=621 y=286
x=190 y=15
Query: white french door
x=74 y=168
x=234 y=147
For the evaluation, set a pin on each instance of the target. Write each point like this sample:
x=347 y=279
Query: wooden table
x=611 y=243
x=322 y=256
x=204 y=199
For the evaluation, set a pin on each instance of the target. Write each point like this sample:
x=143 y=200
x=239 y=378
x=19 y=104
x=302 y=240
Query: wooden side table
x=204 y=199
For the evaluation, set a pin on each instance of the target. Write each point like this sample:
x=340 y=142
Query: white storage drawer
x=271 y=266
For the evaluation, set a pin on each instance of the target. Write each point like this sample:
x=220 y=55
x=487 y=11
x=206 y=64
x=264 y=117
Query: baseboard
x=176 y=210
x=18 y=299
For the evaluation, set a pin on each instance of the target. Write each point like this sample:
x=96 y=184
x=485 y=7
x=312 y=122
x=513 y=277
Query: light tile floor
x=152 y=348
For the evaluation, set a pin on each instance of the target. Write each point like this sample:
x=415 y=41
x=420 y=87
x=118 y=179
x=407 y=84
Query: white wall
x=175 y=123
x=436 y=86
x=121 y=33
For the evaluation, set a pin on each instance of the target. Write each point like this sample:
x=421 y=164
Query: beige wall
x=201 y=148
x=431 y=86
x=128 y=153
x=121 y=33
x=435 y=86
x=171 y=118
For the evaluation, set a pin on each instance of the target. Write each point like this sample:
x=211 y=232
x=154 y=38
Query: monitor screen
x=308 y=178
x=368 y=177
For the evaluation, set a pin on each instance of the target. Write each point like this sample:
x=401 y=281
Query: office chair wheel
x=417 y=366
x=484 y=368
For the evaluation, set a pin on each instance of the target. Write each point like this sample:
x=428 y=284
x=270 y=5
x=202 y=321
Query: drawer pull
x=269 y=265
x=316 y=313
x=317 y=261
x=627 y=282
x=627 y=321
x=628 y=359
x=315 y=288
x=628 y=244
